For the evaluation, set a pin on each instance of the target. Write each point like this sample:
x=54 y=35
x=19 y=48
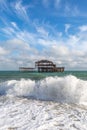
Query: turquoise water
x=7 y=75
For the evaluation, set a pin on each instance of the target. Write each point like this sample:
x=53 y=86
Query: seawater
x=35 y=75
x=43 y=101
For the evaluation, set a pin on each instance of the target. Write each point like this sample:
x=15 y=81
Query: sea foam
x=68 y=89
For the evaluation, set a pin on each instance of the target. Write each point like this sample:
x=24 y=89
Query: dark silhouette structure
x=43 y=66
x=47 y=66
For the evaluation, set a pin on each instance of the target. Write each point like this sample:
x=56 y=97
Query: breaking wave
x=68 y=89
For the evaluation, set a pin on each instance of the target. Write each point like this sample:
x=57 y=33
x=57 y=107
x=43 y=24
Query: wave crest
x=67 y=89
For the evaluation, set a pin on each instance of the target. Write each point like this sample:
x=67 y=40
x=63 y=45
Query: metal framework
x=43 y=66
x=47 y=66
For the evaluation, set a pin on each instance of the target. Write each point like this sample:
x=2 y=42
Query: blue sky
x=32 y=30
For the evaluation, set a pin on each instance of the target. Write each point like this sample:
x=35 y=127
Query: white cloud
x=45 y=42
x=17 y=44
x=67 y=26
x=60 y=50
x=17 y=53
x=3 y=51
x=83 y=28
x=73 y=40
x=42 y=31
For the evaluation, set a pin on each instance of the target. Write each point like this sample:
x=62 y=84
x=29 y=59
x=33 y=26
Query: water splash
x=67 y=89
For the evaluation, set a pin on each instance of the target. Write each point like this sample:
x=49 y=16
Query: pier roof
x=44 y=61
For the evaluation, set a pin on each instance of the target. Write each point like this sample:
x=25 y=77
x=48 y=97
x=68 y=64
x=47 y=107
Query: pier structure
x=47 y=66
x=26 y=69
x=43 y=66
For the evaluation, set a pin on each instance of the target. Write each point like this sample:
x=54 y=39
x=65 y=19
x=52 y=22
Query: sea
x=43 y=101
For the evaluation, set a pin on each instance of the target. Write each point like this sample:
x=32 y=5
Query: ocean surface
x=43 y=101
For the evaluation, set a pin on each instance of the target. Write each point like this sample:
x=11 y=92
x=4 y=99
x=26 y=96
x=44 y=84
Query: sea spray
x=68 y=89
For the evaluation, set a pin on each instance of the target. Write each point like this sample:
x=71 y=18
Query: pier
x=43 y=66
x=47 y=66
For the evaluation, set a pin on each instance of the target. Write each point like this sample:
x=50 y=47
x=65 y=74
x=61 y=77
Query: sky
x=32 y=30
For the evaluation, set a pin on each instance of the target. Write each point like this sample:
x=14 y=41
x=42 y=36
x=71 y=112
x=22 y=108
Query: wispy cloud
x=57 y=3
x=54 y=3
x=14 y=25
x=44 y=33
x=46 y=3
x=62 y=8
x=71 y=10
x=21 y=10
x=10 y=29
x=67 y=26
x=4 y=6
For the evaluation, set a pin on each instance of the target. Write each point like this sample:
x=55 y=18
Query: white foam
x=23 y=114
x=62 y=89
